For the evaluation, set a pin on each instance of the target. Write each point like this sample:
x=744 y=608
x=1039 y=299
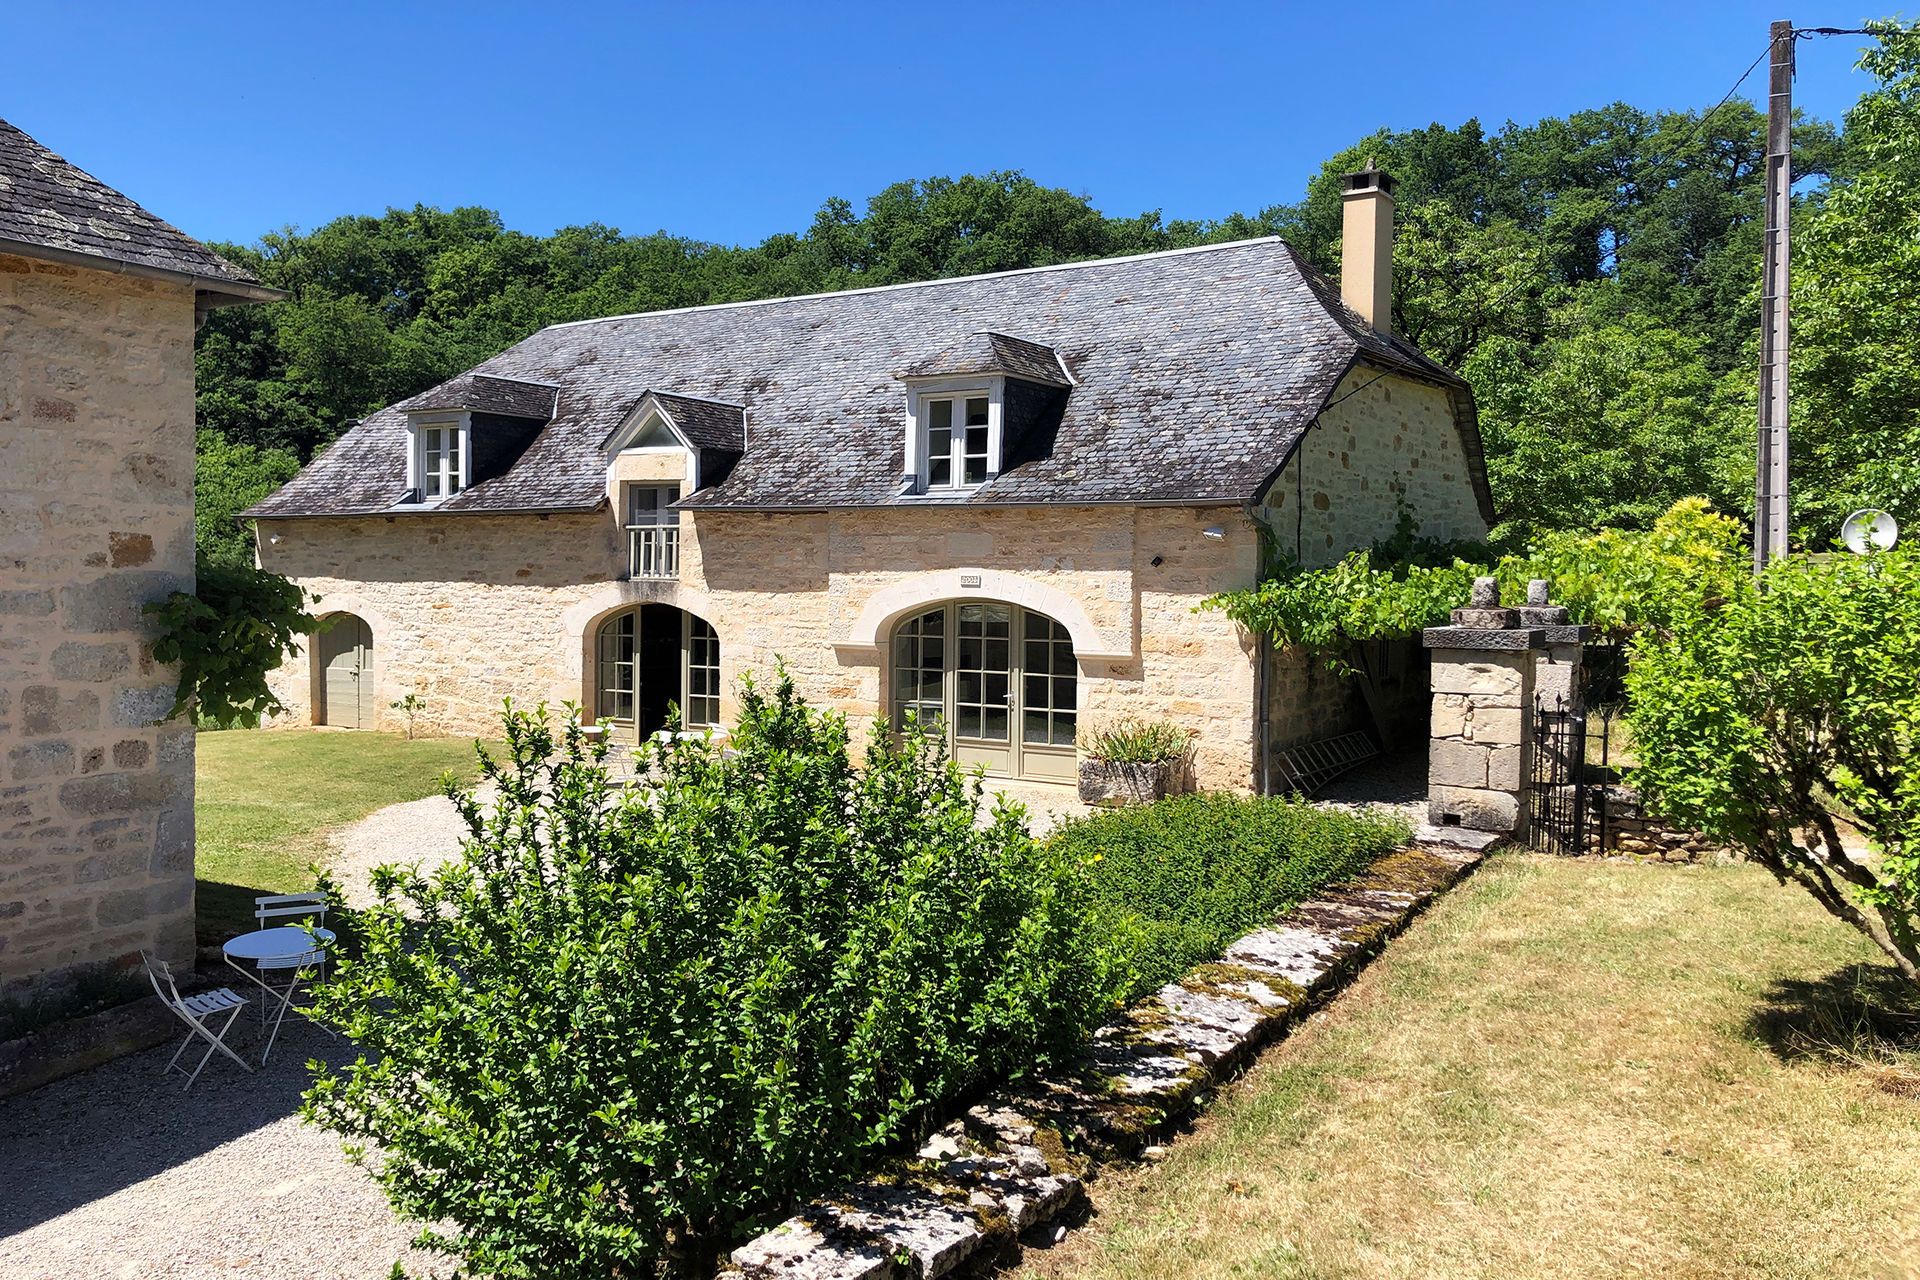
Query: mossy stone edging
x=1019 y=1161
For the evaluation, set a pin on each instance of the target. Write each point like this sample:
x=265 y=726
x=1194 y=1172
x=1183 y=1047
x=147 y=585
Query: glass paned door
x=982 y=686
x=1000 y=682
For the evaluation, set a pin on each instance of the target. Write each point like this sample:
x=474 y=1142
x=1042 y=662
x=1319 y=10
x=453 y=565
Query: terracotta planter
x=1106 y=782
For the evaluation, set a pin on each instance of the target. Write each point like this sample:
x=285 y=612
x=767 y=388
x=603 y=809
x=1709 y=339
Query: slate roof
x=481 y=393
x=50 y=208
x=1197 y=371
x=989 y=352
x=707 y=424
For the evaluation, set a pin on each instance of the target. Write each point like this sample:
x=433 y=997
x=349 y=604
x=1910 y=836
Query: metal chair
x=300 y=909
x=293 y=908
x=196 y=1012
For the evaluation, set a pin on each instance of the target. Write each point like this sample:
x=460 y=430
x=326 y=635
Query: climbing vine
x=1617 y=581
x=226 y=636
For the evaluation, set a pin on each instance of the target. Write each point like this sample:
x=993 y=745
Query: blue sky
x=732 y=121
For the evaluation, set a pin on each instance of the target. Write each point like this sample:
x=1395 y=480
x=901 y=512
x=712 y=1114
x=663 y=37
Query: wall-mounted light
x=1213 y=531
x=1157 y=561
x=274 y=538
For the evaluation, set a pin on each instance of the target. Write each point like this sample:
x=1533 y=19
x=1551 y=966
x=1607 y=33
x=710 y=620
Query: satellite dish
x=1869 y=530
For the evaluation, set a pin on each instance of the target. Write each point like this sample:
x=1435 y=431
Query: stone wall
x=1390 y=439
x=96 y=520
x=468 y=610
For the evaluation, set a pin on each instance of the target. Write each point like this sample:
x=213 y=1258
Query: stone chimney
x=1366 y=246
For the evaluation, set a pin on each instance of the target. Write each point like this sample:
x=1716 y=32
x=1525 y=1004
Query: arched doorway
x=344 y=678
x=653 y=657
x=1000 y=680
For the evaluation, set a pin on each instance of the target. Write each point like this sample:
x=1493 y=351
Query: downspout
x=1263 y=661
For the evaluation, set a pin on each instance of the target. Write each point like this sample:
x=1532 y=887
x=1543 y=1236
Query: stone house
x=98 y=304
x=996 y=500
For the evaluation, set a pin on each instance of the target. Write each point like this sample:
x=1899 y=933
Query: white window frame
x=920 y=424
x=461 y=427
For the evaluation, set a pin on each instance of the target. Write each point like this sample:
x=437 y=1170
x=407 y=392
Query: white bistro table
x=283 y=947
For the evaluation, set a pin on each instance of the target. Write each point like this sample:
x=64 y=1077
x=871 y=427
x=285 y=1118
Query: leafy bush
x=1182 y=878
x=236 y=627
x=1135 y=741
x=1783 y=713
x=621 y=1029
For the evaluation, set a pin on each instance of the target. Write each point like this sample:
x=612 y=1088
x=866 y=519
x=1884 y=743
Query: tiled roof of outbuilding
x=1197 y=371
x=51 y=207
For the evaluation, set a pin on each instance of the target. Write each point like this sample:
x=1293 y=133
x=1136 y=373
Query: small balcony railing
x=653 y=551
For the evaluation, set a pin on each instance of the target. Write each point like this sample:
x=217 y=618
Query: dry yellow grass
x=1566 y=1069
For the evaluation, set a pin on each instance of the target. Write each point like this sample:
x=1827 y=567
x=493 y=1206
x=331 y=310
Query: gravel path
x=427 y=832
x=116 y=1173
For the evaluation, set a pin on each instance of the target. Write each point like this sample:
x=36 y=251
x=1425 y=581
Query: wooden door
x=346 y=665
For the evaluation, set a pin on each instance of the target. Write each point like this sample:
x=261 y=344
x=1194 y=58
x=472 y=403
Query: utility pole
x=1770 y=487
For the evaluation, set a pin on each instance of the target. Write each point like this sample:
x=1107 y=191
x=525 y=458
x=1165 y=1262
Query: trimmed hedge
x=1188 y=875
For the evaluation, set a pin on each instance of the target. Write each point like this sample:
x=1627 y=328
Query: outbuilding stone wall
x=1383 y=442
x=96 y=520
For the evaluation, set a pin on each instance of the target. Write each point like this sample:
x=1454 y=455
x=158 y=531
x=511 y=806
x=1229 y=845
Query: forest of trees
x=1595 y=277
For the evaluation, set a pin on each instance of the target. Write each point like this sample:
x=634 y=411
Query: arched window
x=653 y=657
x=1000 y=681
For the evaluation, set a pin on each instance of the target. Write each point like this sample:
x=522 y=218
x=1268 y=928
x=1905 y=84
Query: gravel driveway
x=116 y=1173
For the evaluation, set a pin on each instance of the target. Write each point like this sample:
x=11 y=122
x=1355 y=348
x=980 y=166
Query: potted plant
x=1135 y=761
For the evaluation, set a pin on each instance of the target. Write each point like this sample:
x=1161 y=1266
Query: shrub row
x=1182 y=878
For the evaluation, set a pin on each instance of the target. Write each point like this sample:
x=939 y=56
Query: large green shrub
x=1618 y=581
x=620 y=1030
x=1784 y=714
x=1182 y=878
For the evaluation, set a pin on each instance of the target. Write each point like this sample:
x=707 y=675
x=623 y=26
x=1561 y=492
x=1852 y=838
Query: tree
x=1609 y=422
x=228 y=478
x=1856 y=375
x=1785 y=715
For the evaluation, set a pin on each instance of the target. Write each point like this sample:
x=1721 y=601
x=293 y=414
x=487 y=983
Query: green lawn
x=1567 y=1068
x=266 y=799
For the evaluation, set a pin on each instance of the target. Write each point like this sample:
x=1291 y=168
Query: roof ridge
x=1077 y=265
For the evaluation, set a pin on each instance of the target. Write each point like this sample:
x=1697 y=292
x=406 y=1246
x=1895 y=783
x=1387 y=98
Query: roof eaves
x=226 y=290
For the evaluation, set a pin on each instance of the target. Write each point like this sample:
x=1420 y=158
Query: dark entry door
x=657 y=665
x=346 y=664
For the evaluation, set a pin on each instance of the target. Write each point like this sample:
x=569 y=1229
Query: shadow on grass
x=223 y=911
x=1865 y=1016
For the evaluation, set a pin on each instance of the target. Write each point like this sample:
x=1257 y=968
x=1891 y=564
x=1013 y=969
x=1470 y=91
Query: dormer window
x=953 y=435
x=958 y=451
x=957 y=410
x=442 y=456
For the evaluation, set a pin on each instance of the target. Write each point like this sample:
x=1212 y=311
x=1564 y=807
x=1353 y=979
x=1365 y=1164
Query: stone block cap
x=1496 y=640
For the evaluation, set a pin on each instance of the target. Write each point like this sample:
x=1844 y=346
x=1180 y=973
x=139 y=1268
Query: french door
x=1000 y=682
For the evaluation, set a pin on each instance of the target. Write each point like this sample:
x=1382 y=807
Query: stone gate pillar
x=1557 y=679
x=1478 y=759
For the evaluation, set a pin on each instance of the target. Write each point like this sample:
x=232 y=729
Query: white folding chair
x=288 y=908
x=196 y=1012
x=298 y=908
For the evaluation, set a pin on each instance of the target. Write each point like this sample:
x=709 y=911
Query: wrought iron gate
x=1558 y=821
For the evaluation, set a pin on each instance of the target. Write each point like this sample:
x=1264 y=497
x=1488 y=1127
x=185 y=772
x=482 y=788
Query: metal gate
x=1559 y=783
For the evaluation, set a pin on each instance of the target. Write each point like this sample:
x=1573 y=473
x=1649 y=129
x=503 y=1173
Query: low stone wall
x=1627 y=828
x=1017 y=1163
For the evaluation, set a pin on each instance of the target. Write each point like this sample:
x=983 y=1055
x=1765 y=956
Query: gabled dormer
x=468 y=430
x=665 y=447
x=965 y=410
